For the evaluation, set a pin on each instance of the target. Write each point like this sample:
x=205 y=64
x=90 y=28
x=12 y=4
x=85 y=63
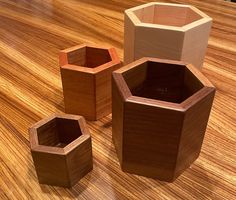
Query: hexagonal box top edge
x=90 y=57
x=56 y=132
x=163 y=80
x=163 y=15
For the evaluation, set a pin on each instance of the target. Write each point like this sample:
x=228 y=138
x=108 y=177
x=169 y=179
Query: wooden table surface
x=32 y=33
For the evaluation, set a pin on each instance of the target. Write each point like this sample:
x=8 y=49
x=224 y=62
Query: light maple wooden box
x=167 y=31
x=61 y=149
x=160 y=110
x=86 y=79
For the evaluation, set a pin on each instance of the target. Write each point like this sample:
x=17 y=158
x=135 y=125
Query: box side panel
x=129 y=36
x=170 y=15
x=135 y=76
x=51 y=169
x=195 y=44
x=146 y=14
x=103 y=91
x=117 y=120
x=80 y=161
x=151 y=137
x=79 y=93
x=158 y=43
x=194 y=127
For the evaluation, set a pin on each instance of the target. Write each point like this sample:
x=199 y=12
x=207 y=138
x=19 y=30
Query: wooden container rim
x=85 y=135
x=111 y=50
x=204 y=18
x=183 y=106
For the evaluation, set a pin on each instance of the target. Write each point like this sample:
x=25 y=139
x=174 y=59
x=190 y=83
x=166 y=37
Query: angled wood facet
x=61 y=149
x=167 y=31
x=86 y=79
x=160 y=111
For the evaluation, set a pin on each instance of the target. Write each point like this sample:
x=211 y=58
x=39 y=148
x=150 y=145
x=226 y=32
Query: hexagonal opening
x=162 y=81
x=58 y=132
x=168 y=15
x=90 y=57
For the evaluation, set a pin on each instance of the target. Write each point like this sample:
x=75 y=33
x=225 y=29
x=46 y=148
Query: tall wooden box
x=160 y=110
x=86 y=79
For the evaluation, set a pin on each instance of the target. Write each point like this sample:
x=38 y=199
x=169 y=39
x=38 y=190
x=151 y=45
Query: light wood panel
x=31 y=35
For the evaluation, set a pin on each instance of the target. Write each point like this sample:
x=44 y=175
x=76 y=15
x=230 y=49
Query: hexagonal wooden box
x=61 y=149
x=167 y=31
x=86 y=79
x=160 y=110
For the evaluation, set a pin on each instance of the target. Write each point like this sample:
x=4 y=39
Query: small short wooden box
x=61 y=149
x=160 y=111
x=86 y=79
x=167 y=31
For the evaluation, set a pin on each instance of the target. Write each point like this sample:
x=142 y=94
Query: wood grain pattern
x=31 y=35
x=160 y=122
x=61 y=149
x=86 y=79
x=167 y=31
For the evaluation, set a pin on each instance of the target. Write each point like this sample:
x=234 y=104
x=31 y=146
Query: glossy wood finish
x=61 y=149
x=32 y=34
x=167 y=31
x=161 y=109
x=86 y=79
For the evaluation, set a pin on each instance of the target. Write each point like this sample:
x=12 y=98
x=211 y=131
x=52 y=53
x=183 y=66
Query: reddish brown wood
x=160 y=112
x=61 y=149
x=86 y=79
